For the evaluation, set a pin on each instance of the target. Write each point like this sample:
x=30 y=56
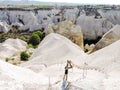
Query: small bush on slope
x=39 y=33
x=34 y=39
x=24 y=56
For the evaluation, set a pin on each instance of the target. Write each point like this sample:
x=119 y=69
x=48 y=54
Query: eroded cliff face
x=108 y=38
x=111 y=15
x=69 y=30
x=45 y=69
x=93 y=28
x=29 y=19
x=92 y=25
x=4 y=27
x=11 y=47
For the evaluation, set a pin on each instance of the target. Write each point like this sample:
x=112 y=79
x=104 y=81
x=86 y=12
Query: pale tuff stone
x=11 y=47
x=109 y=37
x=111 y=15
x=93 y=28
x=69 y=30
x=4 y=27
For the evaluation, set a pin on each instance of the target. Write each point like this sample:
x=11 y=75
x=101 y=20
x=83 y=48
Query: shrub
x=39 y=33
x=34 y=39
x=24 y=56
x=23 y=38
x=31 y=46
x=7 y=59
x=12 y=58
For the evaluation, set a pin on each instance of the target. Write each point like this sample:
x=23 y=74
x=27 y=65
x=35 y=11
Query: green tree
x=39 y=33
x=24 y=56
x=7 y=59
x=34 y=39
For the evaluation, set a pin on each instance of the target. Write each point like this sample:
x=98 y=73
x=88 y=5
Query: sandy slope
x=11 y=47
x=18 y=78
x=48 y=62
x=56 y=49
x=107 y=60
x=108 y=38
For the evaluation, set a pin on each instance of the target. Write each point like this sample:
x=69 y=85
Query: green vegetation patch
x=24 y=56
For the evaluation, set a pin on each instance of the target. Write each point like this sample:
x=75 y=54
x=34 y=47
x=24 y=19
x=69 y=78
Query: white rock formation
x=102 y=72
x=111 y=15
x=18 y=78
x=92 y=28
x=17 y=24
x=89 y=48
x=108 y=38
x=28 y=18
x=37 y=20
x=97 y=71
x=51 y=56
x=55 y=49
x=11 y=47
x=71 y=14
x=33 y=21
x=69 y=30
x=4 y=27
x=3 y=16
x=46 y=15
x=107 y=60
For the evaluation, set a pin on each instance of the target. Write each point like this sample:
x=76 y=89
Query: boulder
x=4 y=27
x=109 y=37
x=69 y=30
x=89 y=48
x=11 y=47
x=93 y=28
x=111 y=15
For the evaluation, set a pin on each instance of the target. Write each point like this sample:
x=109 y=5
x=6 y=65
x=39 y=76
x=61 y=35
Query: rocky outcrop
x=89 y=48
x=11 y=47
x=71 y=14
x=108 y=61
x=29 y=19
x=16 y=25
x=51 y=56
x=49 y=61
x=55 y=49
x=4 y=27
x=69 y=30
x=93 y=28
x=18 y=78
x=108 y=38
x=106 y=58
x=111 y=15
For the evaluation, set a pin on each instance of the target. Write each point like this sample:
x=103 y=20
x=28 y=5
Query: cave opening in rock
x=89 y=42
